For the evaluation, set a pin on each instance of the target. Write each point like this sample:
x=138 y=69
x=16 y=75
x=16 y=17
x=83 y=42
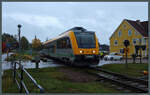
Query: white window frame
x=116 y=41
x=135 y=41
x=129 y=31
x=119 y=33
x=120 y=50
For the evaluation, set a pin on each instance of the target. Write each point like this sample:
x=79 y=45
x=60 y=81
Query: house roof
x=104 y=47
x=141 y=27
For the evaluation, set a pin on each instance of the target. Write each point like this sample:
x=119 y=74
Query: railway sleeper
x=124 y=84
x=135 y=88
x=123 y=76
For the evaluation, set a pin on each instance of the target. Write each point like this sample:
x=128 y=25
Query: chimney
x=138 y=21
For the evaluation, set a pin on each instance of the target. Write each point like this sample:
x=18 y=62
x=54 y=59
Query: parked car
x=113 y=56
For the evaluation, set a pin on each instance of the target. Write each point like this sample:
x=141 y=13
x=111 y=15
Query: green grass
x=7 y=83
x=54 y=81
x=134 y=70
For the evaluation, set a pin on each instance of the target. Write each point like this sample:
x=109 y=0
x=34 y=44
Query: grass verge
x=54 y=81
x=134 y=70
x=8 y=85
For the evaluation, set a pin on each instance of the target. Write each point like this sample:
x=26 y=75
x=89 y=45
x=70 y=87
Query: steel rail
x=135 y=88
x=122 y=76
x=121 y=82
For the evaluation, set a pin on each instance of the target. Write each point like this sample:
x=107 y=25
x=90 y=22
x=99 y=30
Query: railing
x=21 y=83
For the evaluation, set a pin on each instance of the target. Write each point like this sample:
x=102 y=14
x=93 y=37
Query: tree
x=24 y=43
x=9 y=40
x=36 y=44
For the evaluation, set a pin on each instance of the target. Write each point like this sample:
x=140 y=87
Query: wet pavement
x=50 y=63
x=28 y=64
x=103 y=62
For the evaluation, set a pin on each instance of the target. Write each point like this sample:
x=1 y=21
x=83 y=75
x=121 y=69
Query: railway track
x=130 y=83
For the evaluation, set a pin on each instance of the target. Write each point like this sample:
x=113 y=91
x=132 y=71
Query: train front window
x=85 y=39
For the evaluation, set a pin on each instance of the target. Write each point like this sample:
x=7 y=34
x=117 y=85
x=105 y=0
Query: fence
x=21 y=83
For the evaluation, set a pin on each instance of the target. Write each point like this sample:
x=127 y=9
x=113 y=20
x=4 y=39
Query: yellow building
x=134 y=31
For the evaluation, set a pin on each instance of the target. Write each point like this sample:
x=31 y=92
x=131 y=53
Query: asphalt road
x=102 y=62
x=7 y=65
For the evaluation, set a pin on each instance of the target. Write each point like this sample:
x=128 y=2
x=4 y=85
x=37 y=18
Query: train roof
x=74 y=28
x=55 y=38
x=66 y=32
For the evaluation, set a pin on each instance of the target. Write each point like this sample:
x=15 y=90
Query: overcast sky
x=48 y=19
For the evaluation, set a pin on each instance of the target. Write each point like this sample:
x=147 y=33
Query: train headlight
x=93 y=51
x=81 y=51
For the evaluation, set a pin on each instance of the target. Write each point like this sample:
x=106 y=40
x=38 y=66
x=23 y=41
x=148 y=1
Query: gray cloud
x=50 y=19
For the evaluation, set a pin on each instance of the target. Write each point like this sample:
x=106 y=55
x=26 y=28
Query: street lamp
x=19 y=27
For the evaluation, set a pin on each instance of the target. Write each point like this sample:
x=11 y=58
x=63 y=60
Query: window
x=68 y=43
x=116 y=42
x=85 y=39
x=64 y=43
x=59 y=43
x=121 y=50
x=119 y=33
x=129 y=32
x=134 y=41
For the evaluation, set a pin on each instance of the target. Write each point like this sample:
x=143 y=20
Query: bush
x=27 y=57
x=14 y=57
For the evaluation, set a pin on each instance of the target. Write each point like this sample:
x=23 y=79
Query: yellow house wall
x=124 y=36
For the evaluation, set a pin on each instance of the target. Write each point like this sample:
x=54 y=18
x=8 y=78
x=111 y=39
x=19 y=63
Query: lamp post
x=19 y=27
